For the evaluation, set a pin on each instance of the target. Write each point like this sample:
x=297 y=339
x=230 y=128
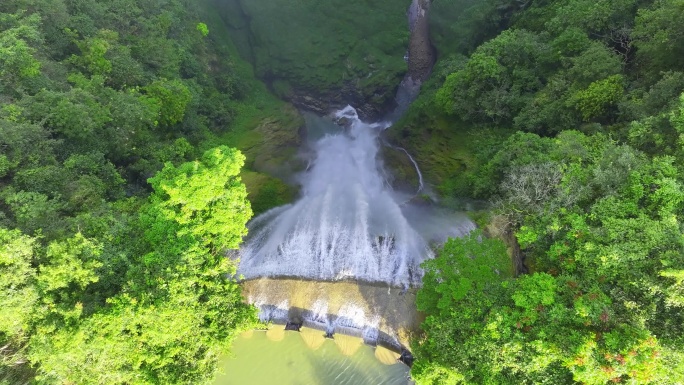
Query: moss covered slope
x=334 y=52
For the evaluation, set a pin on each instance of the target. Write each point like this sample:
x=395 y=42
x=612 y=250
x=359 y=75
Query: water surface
x=291 y=358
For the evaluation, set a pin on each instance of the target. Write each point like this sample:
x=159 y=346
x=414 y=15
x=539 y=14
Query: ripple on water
x=260 y=361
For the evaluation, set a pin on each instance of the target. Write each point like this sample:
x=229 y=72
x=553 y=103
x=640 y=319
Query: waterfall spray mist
x=346 y=225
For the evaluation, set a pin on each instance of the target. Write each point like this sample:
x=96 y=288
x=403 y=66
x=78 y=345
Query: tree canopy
x=118 y=194
x=568 y=121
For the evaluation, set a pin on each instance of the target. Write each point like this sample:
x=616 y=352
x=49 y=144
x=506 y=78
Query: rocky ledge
x=369 y=107
x=377 y=103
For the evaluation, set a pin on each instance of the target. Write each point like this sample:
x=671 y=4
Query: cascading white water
x=347 y=224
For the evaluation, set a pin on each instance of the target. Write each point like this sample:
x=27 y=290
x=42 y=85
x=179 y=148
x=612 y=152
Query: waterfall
x=342 y=258
x=345 y=257
x=347 y=224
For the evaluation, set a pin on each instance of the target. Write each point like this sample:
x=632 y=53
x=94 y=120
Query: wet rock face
x=322 y=103
x=379 y=314
x=421 y=51
x=310 y=103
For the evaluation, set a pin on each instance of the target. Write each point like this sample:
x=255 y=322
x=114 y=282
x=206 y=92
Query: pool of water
x=306 y=358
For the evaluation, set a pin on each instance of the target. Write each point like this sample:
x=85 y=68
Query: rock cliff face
x=324 y=54
x=421 y=52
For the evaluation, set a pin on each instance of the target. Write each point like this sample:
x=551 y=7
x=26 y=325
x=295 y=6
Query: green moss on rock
x=337 y=49
x=265 y=192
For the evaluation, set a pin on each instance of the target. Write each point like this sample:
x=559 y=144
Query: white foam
x=347 y=225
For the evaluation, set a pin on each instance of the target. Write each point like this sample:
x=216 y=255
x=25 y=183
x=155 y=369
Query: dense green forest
x=118 y=195
x=568 y=117
x=121 y=188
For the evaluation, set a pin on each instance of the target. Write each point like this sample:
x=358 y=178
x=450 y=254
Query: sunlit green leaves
x=675 y=292
x=206 y=197
x=17 y=295
x=595 y=99
x=534 y=292
x=18 y=36
x=173 y=97
x=72 y=261
x=97 y=286
x=464 y=265
x=203 y=29
x=177 y=308
x=93 y=51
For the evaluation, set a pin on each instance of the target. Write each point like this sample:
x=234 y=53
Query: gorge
x=344 y=258
x=350 y=231
x=298 y=182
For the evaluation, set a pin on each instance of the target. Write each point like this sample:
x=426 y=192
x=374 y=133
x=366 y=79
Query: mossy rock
x=267 y=132
x=440 y=148
x=445 y=148
x=266 y=192
x=402 y=171
x=326 y=49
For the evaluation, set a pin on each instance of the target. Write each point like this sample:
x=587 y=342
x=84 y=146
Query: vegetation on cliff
x=569 y=121
x=335 y=51
x=120 y=189
x=118 y=195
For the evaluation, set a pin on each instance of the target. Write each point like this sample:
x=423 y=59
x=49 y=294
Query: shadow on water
x=290 y=360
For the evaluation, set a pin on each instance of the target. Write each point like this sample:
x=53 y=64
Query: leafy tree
x=206 y=198
x=593 y=101
x=35 y=212
x=677 y=116
x=457 y=290
x=582 y=316
x=498 y=79
x=18 y=36
x=460 y=26
x=173 y=97
x=93 y=51
x=675 y=293
x=597 y=17
x=26 y=144
x=464 y=265
x=659 y=37
x=177 y=309
x=76 y=114
x=18 y=296
x=92 y=268
x=66 y=270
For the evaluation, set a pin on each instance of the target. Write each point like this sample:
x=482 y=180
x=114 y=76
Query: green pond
x=292 y=358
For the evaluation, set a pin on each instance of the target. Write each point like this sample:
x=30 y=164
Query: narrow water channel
x=307 y=358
